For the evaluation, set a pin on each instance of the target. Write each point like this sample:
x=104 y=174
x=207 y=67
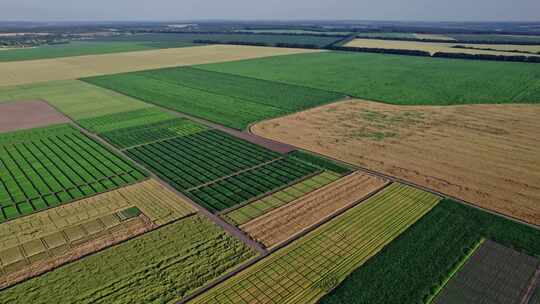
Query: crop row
x=200 y=158
x=257 y=208
x=138 y=135
x=315 y=264
x=237 y=189
x=56 y=169
x=121 y=120
x=226 y=99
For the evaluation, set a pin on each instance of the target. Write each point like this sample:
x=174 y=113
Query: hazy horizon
x=271 y=10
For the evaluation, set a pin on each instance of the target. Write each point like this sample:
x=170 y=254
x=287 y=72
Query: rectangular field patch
x=494 y=274
x=28 y=114
x=313 y=265
x=44 y=168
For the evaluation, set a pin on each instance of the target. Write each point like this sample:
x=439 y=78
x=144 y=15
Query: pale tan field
x=434 y=47
x=283 y=223
x=24 y=72
x=485 y=154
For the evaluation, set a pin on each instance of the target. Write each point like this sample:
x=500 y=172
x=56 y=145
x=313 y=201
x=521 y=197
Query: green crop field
x=42 y=168
x=219 y=171
x=404 y=80
x=226 y=99
x=418 y=261
x=80 y=48
x=264 y=205
x=310 y=267
x=159 y=267
x=122 y=120
x=76 y=99
x=321 y=162
x=144 y=134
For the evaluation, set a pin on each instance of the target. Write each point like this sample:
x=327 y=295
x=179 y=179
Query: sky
x=406 y=10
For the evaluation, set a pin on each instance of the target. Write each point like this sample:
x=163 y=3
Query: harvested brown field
x=24 y=72
x=434 y=47
x=27 y=115
x=284 y=223
x=485 y=154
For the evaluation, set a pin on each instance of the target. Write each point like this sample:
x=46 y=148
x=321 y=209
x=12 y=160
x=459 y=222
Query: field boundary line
x=278 y=247
x=455 y=270
x=535 y=280
x=234 y=174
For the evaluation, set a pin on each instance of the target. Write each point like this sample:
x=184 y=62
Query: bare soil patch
x=485 y=154
x=27 y=115
x=283 y=223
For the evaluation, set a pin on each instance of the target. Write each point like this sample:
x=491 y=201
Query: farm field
x=434 y=37
x=259 y=207
x=26 y=72
x=192 y=252
x=387 y=35
x=76 y=99
x=45 y=167
x=313 y=265
x=457 y=144
x=83 y=227
x=395 y=79
x=435 y=47
x=211 y=95
x=79 y=48
x=143 y=134
x=219 y=171
x=496 y=38
x=27 y=115
x=279 y=225
x=494 y=274
x=420 y=259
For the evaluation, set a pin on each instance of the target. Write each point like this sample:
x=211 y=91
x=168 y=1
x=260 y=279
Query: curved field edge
x=313 y=265
x=419 y=261
x=395 y=79
x=160 y=266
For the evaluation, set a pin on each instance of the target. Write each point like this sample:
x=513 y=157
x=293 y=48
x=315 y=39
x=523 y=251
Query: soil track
x=285 y=222
x=28 y=114
x=485 y=154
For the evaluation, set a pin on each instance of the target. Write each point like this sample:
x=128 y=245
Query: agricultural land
x=25 y=72
x=457 y=144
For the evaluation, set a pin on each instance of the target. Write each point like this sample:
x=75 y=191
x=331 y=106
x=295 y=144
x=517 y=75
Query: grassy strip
x=158 y=267
x=419 y=261
x=395 y=79
x=122 y=120
x=454 y=271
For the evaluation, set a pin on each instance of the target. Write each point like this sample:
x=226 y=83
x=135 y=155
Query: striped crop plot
x=313 y=265
x=259 y=207
x=230 y=100
x=219 y=171
x=39 y=242
x=285 y=222
x=122 y=120
x=143 y=134
x=46 y=167
x=160 y=266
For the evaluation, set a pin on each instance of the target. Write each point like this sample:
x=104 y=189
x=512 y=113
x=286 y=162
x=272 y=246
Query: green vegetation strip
x=43 y=168
x=259 y=207
x=226 y=99
x=79 y=48
x=148 y=133
x=122 y=120
x=321 y=162
x=159 y=267
x=76 y=99
x=394 y=79
x=316 y=263
x=419 y=261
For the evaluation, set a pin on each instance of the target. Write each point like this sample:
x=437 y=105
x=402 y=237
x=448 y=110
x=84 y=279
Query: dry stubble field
x=485 y=154
x=24 y=72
